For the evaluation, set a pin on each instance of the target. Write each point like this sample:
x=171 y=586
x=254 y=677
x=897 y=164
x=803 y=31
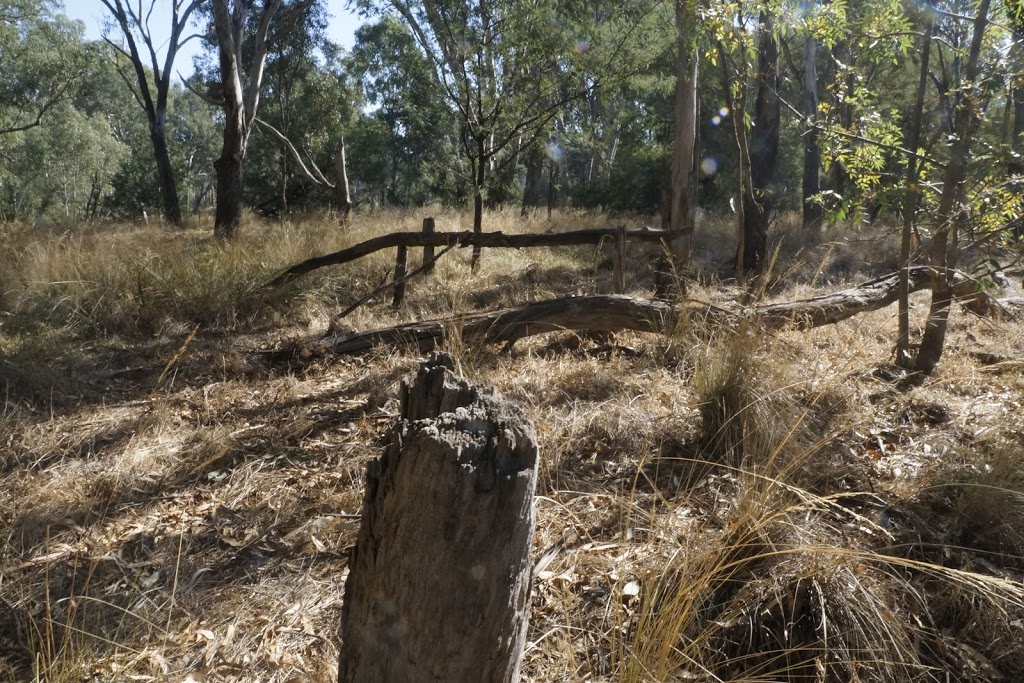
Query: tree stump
x=439 y=581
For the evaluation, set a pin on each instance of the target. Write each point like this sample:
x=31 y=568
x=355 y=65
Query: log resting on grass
x=614 y=313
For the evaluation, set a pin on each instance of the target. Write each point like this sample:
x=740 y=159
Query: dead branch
x=611 y=313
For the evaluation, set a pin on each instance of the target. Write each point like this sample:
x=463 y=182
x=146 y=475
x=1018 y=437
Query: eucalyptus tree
x=747 y=49
x=140 y=48
x=683 y=214
x=505 y=68
x=811 y=24
x=911 y=201
x=1015 y=12
x=950 y=212
x=308 y=104
x=42 y=60
x=61 y=169
x=404 y=147
x=241 y=82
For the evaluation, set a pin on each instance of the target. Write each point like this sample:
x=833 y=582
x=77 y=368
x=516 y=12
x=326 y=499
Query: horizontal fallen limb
x=467 y=239
x=598 y=313
x=611 y=313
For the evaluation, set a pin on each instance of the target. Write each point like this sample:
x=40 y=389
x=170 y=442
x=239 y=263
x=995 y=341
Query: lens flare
x=709 y=166
x=554 y=151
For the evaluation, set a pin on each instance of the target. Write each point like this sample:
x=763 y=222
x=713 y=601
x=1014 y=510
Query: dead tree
x=440 y=577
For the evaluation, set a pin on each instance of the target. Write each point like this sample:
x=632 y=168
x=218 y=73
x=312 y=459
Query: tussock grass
x=716 y=505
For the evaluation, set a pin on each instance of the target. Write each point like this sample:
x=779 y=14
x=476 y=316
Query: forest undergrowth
x=712 y=505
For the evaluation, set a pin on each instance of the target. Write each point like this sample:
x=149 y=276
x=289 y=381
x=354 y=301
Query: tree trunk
x=478 y=198
x=813 y=212
x=554 y=172
x=1016 y=166
x=933 y=341
x=615 y=313
x=164 y=171
x=737 y=105
x=683 y=213
x=532 y=190
x=911 y=201
x=486 y=239
x=439 y=582
x=764 y=148
x=838 y=176
x=341 y=189
x=228 y=215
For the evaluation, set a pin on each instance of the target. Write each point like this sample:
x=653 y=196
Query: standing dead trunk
x=683 y=213
x=813 y=211
x=439 y=581
x=933 y=341
x=911 y=201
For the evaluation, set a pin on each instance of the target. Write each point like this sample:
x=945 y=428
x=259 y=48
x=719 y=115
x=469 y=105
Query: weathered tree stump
x=439 y=581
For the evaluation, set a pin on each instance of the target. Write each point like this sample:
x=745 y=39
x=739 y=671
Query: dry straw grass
x=712 y=505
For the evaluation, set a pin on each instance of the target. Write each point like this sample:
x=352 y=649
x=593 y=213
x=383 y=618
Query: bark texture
x=440 y=576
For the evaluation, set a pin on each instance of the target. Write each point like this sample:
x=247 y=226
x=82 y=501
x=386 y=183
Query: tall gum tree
x=764 y=145
x=43 y=62
x=912 y=199
x=683 y=214
x=757 y=149
x=241 y=75
x=153 y=97
x=497 y=64
x=507 y=69
x=1015 y=9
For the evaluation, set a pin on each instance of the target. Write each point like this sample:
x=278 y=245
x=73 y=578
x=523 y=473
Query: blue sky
x=341 y=29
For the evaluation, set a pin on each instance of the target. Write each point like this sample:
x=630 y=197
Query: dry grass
x=723 y=507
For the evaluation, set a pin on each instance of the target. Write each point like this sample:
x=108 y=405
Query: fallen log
x=467 y=239
x=611 y=313
x=829 y=309
x=597 y=313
